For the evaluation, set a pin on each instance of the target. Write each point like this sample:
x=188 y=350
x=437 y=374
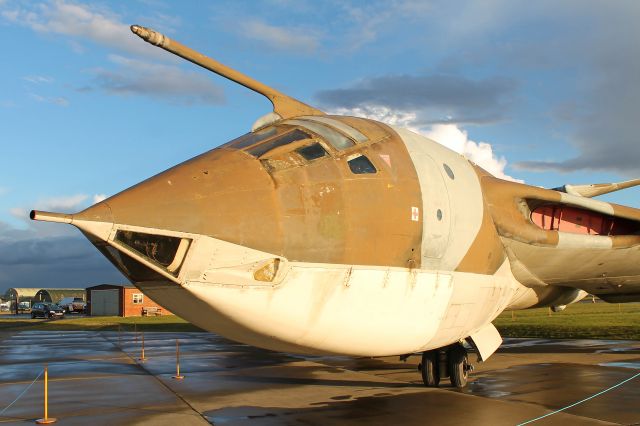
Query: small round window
x=449 y=171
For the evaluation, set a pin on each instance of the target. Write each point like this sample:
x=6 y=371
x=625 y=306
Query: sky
x=544 y=92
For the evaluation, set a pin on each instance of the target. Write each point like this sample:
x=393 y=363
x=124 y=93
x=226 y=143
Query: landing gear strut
x=451 y=361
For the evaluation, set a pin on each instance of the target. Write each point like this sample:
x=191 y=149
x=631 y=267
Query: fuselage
x=318 y=235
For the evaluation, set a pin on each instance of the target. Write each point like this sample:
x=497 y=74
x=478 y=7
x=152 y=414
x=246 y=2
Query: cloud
x=299 y=39
x=37 y=79
x=449 y=135
x=51 y=254
x=323 y=28
x=42 y=251
x=58 y=100
x=99 y=197
x=67 y=261
x=64 y=204
x=480 y=153
x=606 y=131
x=579 y=59
x=32 y=229
x=434 y=98
x=84 y=22
x=165 y=82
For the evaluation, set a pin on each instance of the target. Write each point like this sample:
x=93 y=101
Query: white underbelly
x=338 y=309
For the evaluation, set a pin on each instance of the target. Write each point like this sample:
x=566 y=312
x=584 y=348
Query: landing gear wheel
x=429 y=369
x=458 y=363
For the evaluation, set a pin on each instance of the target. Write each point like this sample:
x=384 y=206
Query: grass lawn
x=582 y=320
x=579 y=321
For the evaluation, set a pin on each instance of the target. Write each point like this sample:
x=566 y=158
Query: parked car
x=4 y=306
x=46 y=310
x=73 y=304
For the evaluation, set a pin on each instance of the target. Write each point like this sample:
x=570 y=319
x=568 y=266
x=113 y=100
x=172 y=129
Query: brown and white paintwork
x=306 y=256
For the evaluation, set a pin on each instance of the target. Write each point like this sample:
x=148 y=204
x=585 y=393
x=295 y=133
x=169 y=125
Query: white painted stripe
x=445 y=241
x=568 y=240
x=587 y=203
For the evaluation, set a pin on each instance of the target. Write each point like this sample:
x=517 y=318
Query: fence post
x=178 y=376
x=46 y=420
x=142 y=358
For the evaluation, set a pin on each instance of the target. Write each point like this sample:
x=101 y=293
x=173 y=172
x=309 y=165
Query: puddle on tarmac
x=634 y=365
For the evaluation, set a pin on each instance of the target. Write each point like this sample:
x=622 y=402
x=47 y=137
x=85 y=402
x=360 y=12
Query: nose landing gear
x=451 y=361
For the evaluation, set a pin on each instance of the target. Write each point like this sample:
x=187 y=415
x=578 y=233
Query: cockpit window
x=335 y=138
x=312 y=152
x=287 y=138
x=361 y=165
x=344 y=128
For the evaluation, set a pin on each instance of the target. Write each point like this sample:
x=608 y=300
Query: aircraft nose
x=224 y=194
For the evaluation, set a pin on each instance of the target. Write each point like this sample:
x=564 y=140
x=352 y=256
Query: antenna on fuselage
x=283 y=105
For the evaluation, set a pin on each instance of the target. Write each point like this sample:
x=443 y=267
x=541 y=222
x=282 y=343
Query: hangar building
x=121 y=300
x=55 y=295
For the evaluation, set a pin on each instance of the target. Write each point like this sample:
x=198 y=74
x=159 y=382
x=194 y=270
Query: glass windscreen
x=253 y=138
x=335 y=138
x=287 y=138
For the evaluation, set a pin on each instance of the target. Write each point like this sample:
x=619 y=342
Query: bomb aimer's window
x=164 y=251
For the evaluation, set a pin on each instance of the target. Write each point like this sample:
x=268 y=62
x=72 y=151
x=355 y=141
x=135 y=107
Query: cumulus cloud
x=81 y=21
x=99 y=197
x=434 y=98
x=279 y=37
x=165 y=82
x=449 y=135
x=480 y=153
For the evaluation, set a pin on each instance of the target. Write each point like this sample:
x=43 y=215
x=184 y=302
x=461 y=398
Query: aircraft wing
x=558 y=238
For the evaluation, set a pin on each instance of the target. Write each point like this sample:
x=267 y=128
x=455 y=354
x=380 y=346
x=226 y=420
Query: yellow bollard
x=178 y=376
x=46 y=420
x=142 y=358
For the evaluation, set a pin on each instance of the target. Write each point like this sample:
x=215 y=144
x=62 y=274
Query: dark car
x=46 y=310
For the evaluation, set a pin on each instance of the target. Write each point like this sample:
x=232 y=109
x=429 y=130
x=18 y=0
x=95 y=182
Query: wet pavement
x=97 y=378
